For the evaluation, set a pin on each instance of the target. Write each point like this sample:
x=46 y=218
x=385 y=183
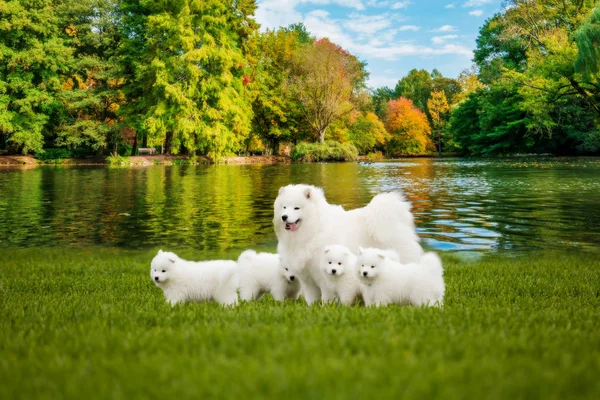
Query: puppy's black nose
x=284 y=217
x=156 y=278
x=364 y=273
x=292 y=278
x=333 y=271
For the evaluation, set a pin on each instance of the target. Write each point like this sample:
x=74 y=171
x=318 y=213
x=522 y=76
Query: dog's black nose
x=333 y=271
x=284 y=217
x=292 y=278
x=364 y=273
x=156 y=278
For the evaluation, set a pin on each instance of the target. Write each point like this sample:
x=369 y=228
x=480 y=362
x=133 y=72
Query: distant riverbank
x=158 y=159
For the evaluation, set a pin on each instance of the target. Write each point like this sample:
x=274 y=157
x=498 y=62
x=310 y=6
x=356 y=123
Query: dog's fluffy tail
x=432 y=263
x=246 y=257
x=389 y=208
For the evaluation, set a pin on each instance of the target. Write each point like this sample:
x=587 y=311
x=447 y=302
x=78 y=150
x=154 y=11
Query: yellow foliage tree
x=408 y=127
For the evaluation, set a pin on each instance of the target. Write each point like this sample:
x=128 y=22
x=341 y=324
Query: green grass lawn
x=83 y=324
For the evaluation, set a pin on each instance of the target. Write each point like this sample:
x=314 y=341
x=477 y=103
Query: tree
x=380 y=98
x=91 y=95
x=34 y=55
x=468 y=83
x=271 y=59
x=367 y=132
x=326 y=80
x=438 y=110
x=416 y=86
x=184 y=65
x=409 y=129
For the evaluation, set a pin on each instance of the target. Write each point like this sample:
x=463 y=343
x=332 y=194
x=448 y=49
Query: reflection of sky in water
x=471 y=206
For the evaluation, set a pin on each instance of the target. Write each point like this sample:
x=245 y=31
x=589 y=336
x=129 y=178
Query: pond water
x=508 y=205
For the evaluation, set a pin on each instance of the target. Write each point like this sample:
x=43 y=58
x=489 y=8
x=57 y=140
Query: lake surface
x=509 y=205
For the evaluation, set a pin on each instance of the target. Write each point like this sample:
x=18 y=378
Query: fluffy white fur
x=305 y=223
x=262 y=273
x=386 y=281
x=183 y=281
x=339 y=269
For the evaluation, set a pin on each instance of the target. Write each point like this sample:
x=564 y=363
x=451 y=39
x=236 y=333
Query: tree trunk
x=586 y=96
x=168 y=139
x=144 y=140
x=322 y=135
x=135 y=143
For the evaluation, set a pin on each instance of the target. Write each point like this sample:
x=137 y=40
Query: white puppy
x=339 y=269
x=183 y=281
x=305 y=223
x=262 y=273
x=387 y=281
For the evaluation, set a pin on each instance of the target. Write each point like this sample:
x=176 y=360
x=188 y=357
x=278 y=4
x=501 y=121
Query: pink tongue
x=293 y=226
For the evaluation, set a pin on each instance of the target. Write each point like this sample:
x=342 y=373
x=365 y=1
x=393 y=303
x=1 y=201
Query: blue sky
x=393 y=37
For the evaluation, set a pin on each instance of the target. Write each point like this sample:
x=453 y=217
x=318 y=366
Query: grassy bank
x=90 y=324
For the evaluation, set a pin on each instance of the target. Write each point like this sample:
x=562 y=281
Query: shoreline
x=145 y=160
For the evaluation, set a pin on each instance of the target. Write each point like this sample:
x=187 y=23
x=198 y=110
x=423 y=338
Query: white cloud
x=367 y=24
x=442 y=39
x=476 y=3
x=405 y=28
x=377 y=81
x=476 y=13
x=445 y=28
x=400 y=4
x=271 y=14
x=450 y=6
x=375 y=3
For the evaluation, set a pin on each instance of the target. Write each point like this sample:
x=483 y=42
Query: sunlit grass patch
x=90 y=323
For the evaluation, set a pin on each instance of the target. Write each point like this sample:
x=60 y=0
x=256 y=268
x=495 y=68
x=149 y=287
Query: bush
x=117 y=160
x=328 y=151
x=53 y=155
x=376 y=156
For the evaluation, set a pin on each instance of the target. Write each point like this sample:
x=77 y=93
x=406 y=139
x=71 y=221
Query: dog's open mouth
x=292 y=226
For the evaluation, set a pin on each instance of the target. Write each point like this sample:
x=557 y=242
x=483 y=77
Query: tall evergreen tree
x=184 y=63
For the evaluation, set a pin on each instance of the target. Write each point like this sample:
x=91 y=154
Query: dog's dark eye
x=284 y=207
x=286 y=269
x=372 y=266
x=329 y=262
x=164 y=270
x=296 y=208
x=339 y=263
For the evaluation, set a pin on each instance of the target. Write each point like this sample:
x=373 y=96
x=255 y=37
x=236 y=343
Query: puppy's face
x=161 y=267
x=369 y=263
x=289 y=276
x=336 y=260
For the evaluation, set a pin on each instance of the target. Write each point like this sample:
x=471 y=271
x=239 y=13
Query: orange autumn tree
x=408 y=127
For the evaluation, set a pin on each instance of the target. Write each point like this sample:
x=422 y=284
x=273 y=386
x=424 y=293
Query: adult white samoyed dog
x=305 y=223
x=262 y=273
x=183 y=281
x=386 y=281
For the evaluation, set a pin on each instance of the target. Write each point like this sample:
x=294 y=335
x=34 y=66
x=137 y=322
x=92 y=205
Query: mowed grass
x=81 y=324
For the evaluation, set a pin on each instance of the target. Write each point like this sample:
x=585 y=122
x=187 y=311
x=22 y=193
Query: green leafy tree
x=184 y=66
x=438 y=110
x=34 y=55
x=91 y=94
x=367 y=132
x=276 y=109
x=416 y=86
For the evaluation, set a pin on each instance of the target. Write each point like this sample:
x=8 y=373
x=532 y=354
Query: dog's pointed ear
x=327 y=249
x=308 y=193
x=360 y=250
x=173 y=261
x=381 y=255
x=281 y=190
x=160 y=251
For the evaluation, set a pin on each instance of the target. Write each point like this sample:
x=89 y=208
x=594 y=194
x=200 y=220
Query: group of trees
x=197 y=77
x=193 y=77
